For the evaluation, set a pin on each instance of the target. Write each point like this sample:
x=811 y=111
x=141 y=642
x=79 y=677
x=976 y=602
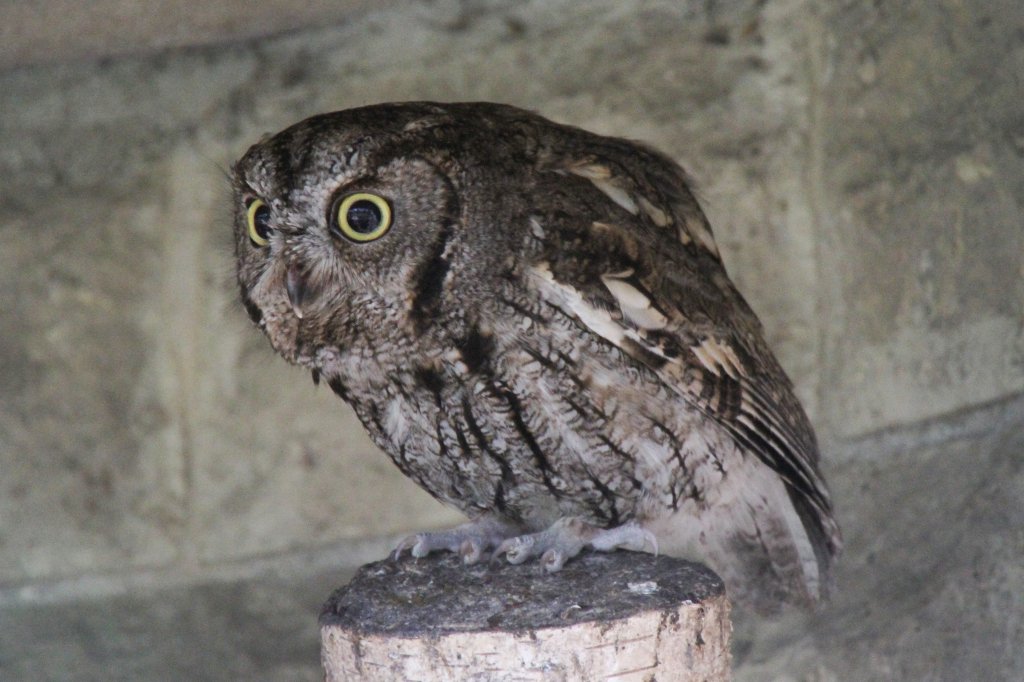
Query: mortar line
x=815 y=168
x=346 y=555
x=971 y=421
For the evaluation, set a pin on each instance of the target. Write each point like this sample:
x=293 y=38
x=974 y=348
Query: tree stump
x=618 y=616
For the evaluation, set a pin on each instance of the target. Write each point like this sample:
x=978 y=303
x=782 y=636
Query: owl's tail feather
x=768 y=550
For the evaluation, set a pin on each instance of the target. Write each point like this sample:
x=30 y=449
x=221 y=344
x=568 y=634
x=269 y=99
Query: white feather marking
x=705 y=359
x=571 y=301
x=726 y=357
x=773 y=444
x=745 y=420
x=424 y=123
x=694 y=226
x=591 y=171
x=654 y=460
x=617 y=194
x=601 y=176
x=635 y=305
x=599 y=321
x=395 y=421
x=536 y=229
x=703 y=235
x=753 y=409
x=657 y=215
x=717 y=356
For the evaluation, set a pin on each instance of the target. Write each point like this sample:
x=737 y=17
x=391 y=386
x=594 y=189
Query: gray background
x=175 y=501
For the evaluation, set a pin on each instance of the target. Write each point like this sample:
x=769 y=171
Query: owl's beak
x=295 y=284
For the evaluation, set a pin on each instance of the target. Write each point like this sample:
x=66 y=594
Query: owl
x=534 y=322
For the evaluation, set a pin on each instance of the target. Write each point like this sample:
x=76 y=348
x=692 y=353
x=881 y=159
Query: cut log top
x=439 y=595
x=622 y=616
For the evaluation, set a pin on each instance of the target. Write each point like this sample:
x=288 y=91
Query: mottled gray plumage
x=544 y=338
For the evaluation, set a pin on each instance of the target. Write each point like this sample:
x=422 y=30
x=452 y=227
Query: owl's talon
x=469 y=541
x=567 y=537
x=408 y=543
x=471 y=551
x=516 y=550
x=553 y=560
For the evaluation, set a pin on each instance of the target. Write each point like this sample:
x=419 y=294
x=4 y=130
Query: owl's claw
x=517 y=549
x=416 y=544
x=553 y=546
x=470 y=540
x=567 y=537
x=472 y=550
x=553 y=560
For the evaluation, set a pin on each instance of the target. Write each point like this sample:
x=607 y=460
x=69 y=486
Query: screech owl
x=535 y=324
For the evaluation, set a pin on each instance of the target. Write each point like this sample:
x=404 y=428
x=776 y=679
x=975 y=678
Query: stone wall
x=862 y=163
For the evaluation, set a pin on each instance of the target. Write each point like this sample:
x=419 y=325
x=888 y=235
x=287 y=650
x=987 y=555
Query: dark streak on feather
x=626 y=456
x=254 y=312
x=430 y=379
x=707 y=387
x=338 y=387
x=643 y=354
x=612 y=516
x=430 y=281
x=476 y=350
x=430 y=277
x=507 y=476
x=772 y=455
x=729 y=397
x=503 y=392
x=521 y=309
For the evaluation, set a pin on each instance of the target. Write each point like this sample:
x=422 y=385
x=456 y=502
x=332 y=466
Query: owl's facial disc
x=333 y=248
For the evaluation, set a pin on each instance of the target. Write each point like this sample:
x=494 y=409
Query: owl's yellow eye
x=258 y=217
x=362 y=217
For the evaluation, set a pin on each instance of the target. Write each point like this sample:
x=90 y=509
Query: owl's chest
x=540 y=431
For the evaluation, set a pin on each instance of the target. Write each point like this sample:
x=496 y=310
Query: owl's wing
x=637 y=265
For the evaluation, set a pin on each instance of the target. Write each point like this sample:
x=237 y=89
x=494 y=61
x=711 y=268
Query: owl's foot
x=470 y=540
x=567 y=537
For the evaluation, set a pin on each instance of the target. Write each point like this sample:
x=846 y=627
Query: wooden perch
x=621 y=616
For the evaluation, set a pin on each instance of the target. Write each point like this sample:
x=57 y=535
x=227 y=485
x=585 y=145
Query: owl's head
x=348 y=225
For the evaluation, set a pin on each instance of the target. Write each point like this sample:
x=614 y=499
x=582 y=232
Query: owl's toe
x=567 y=537
x=553 y=560
x=416 y=545
x=555 y=545
x=472 y=550
x=627 y=536
x=518 y=549
x=470 y=540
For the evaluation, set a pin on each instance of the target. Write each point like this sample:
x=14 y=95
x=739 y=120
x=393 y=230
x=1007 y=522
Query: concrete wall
x=862 y=163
